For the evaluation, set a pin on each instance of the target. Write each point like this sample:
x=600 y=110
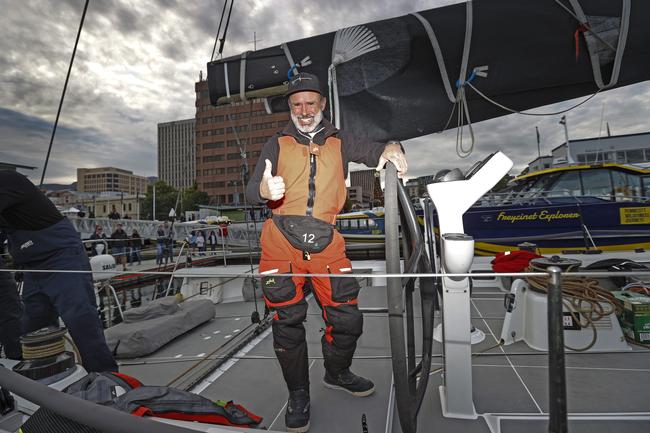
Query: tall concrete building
x=220 y=131
x=177 y=153
x=110 y=179
x=364 y=188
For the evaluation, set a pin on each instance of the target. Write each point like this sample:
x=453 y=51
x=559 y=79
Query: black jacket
x=121 y=239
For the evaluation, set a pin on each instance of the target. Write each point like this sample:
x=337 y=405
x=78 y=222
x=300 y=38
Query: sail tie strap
x=242 y=77
x=225 y=78
x=589 y=32
x=459 y=99
x=287 y=53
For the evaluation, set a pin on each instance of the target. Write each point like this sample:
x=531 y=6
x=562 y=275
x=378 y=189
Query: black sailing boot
x=349 y=382
x=297 y=416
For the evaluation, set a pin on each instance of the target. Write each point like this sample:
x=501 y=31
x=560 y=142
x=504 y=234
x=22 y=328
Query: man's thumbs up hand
x=271 y=187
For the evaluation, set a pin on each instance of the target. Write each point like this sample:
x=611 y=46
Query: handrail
x=409 y=392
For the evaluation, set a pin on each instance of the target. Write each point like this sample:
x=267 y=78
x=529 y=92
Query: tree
x=165 y=200
x=192 y=198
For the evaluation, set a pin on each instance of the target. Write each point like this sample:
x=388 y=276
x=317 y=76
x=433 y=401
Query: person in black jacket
x=101 y=237
x=40 y=238
x=135 y=245
x=10 y=310
x=118 y=246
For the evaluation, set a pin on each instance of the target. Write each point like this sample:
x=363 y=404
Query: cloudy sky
x=138 y=60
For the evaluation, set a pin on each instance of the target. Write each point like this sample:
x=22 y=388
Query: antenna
x=254 y=41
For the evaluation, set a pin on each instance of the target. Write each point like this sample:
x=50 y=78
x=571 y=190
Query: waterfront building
x=222 y=134
x=110 y=179
x=177 y=153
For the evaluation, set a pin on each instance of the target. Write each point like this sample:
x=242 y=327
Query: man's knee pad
x=344 y=325
x=288 y=328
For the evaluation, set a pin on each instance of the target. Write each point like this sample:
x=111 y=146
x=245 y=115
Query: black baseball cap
x=303 y=82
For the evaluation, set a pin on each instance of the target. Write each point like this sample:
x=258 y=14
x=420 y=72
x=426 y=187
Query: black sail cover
x=388 y=77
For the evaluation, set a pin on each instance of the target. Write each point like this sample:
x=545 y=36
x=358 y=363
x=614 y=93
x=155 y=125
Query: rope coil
x=583 y=297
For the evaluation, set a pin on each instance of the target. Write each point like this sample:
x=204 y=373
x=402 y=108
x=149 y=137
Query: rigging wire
x=65 y=86
x=244 y=173
x=216 y=39
x=222 y=41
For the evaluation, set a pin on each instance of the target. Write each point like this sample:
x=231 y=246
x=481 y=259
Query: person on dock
x=161 y=239
x=212 y=240
x=135 y=245
x=100 y=236
x=119 y=246
x=301 y=176
x=41 y=239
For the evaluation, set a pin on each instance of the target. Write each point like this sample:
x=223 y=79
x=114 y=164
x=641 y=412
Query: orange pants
x=337 y=298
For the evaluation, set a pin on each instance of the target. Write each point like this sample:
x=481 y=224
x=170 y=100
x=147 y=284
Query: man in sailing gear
x=10 y=310
x=301 y=176
x=40 y=238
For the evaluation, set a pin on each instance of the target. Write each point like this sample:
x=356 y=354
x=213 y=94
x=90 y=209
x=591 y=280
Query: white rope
x=460 y=98
x=438 y=55
x=554 y=113
x=463 y=111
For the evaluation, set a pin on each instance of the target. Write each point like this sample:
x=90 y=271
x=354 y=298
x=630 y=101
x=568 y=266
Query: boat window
x=363 y=224
x=354 y=224
x=345 y=224
x=646 y=188
x=539 y=186
x=371 y=223
x=635 y=155
x=627 y=186
x=597 y=183
x=566 y=184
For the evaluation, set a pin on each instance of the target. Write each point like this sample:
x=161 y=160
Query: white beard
x=318 y=117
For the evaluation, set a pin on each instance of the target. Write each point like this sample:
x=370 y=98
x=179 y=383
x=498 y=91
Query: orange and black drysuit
x=314 y=172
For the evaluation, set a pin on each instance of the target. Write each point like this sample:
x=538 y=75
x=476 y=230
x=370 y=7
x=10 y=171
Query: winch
x=44 y=354
x=565 y=265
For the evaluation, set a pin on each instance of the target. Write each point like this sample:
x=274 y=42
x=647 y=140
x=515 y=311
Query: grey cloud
x=137 y=65
x=127 y=20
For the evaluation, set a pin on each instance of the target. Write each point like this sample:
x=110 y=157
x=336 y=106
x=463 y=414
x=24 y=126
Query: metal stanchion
x=557 y=420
